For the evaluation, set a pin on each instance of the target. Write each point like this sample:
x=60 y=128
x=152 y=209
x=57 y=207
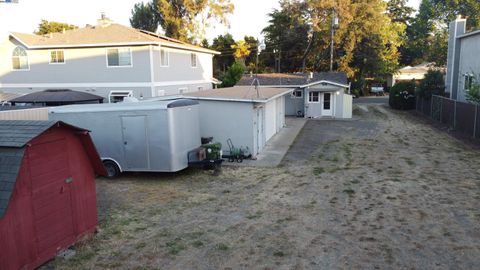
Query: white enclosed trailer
x=139 y=136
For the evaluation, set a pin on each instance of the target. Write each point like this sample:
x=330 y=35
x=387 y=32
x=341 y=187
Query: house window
x=297 y=94
x=469 y=80
x=119 y=57
x=193 y=60
x=118 y=96
x=313 y=97
x=19 y=59
x=57 y=57
x=164 y=58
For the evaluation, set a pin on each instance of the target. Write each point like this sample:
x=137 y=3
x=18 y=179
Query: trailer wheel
x=112 y=169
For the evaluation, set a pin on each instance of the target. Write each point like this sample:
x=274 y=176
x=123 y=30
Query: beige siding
x=27 y=114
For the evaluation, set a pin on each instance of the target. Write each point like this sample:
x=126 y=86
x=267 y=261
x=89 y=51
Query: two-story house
x=463 y=61
x=108 y=60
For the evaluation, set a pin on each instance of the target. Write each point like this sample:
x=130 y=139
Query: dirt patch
x=383 y=191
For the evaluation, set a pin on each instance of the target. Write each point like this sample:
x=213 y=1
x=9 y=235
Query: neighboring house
x=409 y=73
x=316 y=95
x=109 y=60
x=463 y=61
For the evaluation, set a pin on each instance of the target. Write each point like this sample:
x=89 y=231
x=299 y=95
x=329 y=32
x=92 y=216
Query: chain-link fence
x=461 y=116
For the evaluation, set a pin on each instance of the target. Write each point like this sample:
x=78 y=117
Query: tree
x=428 y=33
x=286 y=36
x=223 y=44
x=144 y=17
x=402 y=96
x=46 y=27
x=399 y=11
x=184 y=19
x=251 y=59
x=233 y=75
x=432 y=84
x=241 y=51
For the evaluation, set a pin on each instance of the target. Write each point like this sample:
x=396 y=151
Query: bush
x=432 y=84
x=233 y=75
x=402 y=96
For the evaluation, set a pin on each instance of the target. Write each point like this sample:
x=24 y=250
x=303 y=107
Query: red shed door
x=52 y=206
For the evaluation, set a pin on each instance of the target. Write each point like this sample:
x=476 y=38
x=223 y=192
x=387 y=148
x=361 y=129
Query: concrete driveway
x=371 y=100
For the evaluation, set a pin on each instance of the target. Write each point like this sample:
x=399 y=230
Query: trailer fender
x=113 y=160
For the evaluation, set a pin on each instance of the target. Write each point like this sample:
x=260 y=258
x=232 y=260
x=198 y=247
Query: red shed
x=47 y=190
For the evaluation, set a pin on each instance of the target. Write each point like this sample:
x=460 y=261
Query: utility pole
x=333 y=25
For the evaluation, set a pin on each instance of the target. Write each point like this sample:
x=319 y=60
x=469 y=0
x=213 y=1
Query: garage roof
x=56 y=95
x=241 y=94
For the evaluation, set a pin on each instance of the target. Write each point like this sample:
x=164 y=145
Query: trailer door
x=135 y=142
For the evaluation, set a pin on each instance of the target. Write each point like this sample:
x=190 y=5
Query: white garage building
x=247 y=116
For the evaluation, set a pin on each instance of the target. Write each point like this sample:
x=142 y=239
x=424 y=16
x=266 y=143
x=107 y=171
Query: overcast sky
x=249 y=18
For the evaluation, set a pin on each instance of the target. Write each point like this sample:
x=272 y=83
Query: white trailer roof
x=124 y=106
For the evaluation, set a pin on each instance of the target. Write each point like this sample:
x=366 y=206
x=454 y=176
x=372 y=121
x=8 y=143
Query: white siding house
x=463 y=61
x=315 y=95
x=108 y=60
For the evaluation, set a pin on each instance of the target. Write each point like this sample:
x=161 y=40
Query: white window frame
x=297 y=91
x=115 y=93
x=56 y=63
x=167 y=55
x=123 y=66
x=193 y=60
x=310 y=97
x=26 y=56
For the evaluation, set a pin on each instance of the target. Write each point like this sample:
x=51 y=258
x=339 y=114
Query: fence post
x=454 y=114
x=431 y=106
x=475 y=123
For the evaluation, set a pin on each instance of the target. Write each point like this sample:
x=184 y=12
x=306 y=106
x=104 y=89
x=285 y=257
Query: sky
x=249 y=18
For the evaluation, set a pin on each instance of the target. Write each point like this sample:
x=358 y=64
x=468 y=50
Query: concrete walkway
x=277 y=146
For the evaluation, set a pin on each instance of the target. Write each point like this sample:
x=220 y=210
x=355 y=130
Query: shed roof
x=123 y=106
x=240 y=93
x=14 y=135
x=102 y=36
x=294 y=79
x=56 y=95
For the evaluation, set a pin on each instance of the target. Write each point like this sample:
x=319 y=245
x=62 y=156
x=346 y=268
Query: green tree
x=432 y=84
x=223 y=44
x=287 y=36
x=46 y=27
x=233 y=75
x=144 y=17
x=185 y=20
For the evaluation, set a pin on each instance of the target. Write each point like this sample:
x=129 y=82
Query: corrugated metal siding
x=27 y=114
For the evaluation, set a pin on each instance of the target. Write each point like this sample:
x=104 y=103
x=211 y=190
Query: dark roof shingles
x=10 y=160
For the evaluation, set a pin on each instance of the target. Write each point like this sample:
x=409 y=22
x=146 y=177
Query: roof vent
x=310 y=75
x=104 y=21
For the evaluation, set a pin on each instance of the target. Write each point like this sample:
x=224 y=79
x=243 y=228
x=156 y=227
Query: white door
x=327 y=104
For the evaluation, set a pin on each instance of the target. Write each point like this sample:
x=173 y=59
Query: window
x=469 y=80
x=297 y=94
x=119 y=57
x=200 y=88
x=313 y=97
x=164 y=61
x=193 y=60
x=19 y=59
x=57 y=57
x=118 y=96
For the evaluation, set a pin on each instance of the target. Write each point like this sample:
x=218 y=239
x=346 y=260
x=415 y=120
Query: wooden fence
x=25 y=114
